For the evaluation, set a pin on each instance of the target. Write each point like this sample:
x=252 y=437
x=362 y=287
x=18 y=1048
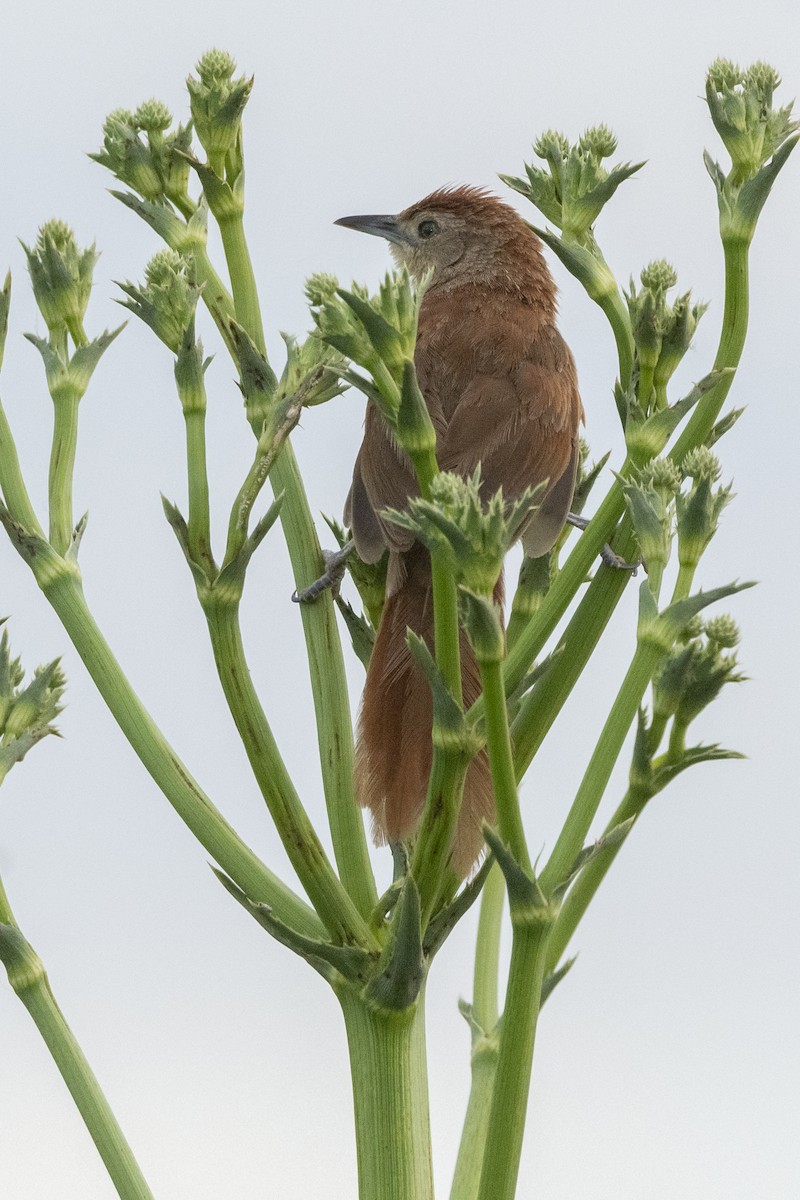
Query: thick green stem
x=390 y=1100
x=512 y=1081
x=483 y=1064
x=729 y=352
x=305 y=851
x=598 y=772
x=509 y=818
x=29 y=980
x=199 y=518
x=326 y=663
x=65 y=594
x=485 y=1004
x=446 y=783
x=618 y=317
x=539 y=710
x=62 y=466
x=243 y=279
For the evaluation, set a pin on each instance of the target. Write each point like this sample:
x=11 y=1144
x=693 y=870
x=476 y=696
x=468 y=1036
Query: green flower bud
x=723 y=631
x=680 y=324
x=651 y=513
x=692 y=629
x=699 y=509
x=312 y=369
x=709 y=672
x=701 y=463
x=61 y=275
x=551 y=145
x=168 y=299
x=598 y=142
x=659 y=276
x=320 y=288
x=152 y=116
x=483 y=624
x=663 y=476
x=724 y=75
x=26 y=712
x=670 y=681
x=217 y=102
x=126 y=155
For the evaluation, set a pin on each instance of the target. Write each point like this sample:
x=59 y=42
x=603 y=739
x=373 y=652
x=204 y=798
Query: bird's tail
x=393 y=753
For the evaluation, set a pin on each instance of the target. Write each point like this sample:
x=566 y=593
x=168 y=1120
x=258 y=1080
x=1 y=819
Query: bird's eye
x=427 y=229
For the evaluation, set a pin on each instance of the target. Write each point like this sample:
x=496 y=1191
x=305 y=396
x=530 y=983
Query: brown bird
x=502 y=390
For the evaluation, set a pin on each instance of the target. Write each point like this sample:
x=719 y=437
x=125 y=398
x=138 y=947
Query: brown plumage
x=501 y=387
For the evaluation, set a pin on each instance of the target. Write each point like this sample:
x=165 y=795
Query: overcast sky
x=667 y=1064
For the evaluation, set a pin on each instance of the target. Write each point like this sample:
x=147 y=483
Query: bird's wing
x=382 y=478
x=519 y=419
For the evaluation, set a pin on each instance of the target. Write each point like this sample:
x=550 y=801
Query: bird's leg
x=335 y=563
x=608 y=556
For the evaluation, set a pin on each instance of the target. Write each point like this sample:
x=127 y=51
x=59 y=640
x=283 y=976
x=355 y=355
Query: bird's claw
x=607 y=555
x=613 y=560
x=335 y=564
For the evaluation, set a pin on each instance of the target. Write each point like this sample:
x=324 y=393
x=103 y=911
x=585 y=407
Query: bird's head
x=462 y=235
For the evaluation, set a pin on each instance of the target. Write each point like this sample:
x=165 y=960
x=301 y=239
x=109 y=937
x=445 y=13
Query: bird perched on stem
x=501 y=388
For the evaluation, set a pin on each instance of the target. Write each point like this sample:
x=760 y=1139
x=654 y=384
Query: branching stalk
x=299 y=838
x=331 y=701
x=64 y=592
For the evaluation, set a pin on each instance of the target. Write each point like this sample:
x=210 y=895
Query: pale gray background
x=667 y=1065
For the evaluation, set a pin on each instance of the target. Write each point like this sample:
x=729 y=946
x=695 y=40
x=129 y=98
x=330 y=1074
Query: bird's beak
x=380 y=226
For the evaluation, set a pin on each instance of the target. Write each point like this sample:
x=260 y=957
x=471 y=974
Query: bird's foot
x=608 y=556
x=335 y=564
x=613 y=560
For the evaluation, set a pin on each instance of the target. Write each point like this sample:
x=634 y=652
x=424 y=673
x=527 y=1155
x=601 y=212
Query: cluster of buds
x=662 y=332
x=650 y=497
x=659 y=504
x=694 y=674
x=168 y=298
x=378 y=333
x=758 y=137
x=741 y=107
x=699 y=508
x=574 y=186
x=167 y=302
x=217 y=102
x=61 y=275
x=469 y=535
x=141 y=153
x=26 y=710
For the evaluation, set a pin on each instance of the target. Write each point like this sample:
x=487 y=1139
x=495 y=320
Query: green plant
x=376 y=952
